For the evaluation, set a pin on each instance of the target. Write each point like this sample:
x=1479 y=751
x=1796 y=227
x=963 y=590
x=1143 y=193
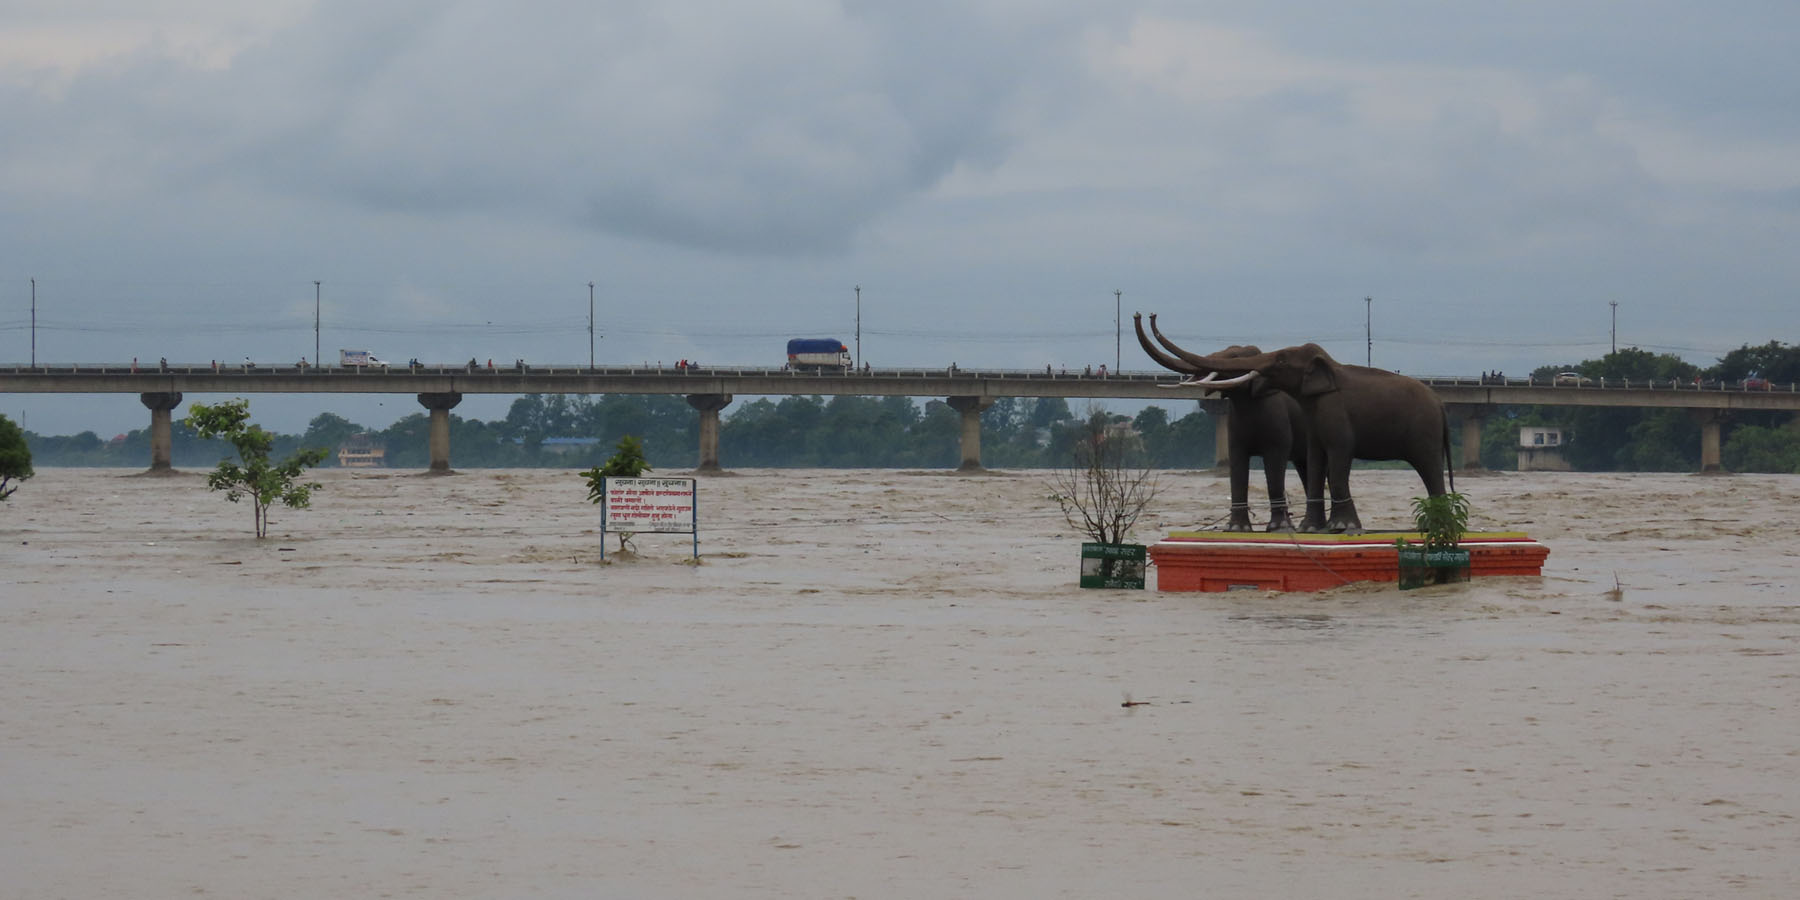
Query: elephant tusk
x=1229 y=382
x=1210 y=381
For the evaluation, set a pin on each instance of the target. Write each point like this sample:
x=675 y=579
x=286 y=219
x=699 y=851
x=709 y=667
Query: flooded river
x=883 y=684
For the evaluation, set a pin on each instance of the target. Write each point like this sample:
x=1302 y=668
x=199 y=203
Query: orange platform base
x=1224 y=561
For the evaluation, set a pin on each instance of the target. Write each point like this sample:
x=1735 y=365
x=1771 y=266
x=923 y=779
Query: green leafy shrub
x=265 y=482
x=1442 y=520
x=627 y=461
x=15 y=457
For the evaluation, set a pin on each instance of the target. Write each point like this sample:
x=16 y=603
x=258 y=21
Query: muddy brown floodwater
x=882 y=684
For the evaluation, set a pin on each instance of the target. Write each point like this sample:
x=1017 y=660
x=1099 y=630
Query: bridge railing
x=1580 y=383
x=1603 y=384
x=517 y=368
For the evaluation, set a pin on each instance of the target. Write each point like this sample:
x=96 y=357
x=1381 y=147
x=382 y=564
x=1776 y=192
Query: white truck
x=360 y=359
x=818 y=355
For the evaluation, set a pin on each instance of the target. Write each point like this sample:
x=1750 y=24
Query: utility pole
x=590 y=324
x=1368 y=331
x=858 y=326
x=34 y=323
x=1118 y=305
x=1615 y=325
x=317 y=359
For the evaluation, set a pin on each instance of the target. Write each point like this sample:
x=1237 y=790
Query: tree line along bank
x=901 y=432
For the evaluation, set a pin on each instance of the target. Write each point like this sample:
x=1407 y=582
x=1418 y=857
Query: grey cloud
x=713 y=125
x=1724 y=64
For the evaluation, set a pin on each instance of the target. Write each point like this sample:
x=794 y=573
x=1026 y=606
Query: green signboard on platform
x=1113 y=566
x=1420 y=567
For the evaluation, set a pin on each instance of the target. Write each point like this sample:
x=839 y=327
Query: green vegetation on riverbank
x=899 y=432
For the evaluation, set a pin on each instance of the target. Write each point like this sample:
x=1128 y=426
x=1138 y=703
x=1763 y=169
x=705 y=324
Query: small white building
x=361 y=451
x=1540 y=449
x=566 y=445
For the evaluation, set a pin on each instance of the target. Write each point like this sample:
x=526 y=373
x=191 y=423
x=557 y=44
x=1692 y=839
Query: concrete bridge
x=710 y=389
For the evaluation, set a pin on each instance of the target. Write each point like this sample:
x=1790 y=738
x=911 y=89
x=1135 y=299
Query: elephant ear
x=1320 y=375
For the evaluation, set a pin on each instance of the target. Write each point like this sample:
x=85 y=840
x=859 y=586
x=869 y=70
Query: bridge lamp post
x=590 y=324
x=1118 y=307
x=1368 y=331
x=317 y=360
x=858 y=363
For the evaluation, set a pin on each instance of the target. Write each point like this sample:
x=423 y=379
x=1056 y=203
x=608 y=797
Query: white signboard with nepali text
x=649 y=505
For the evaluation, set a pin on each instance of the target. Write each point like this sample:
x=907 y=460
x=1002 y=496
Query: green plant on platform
x=627 y=461
x=1442 y=520
x=265 y=482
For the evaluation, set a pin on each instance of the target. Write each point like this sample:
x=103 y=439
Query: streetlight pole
x=590 y=324
x=1615 y=325
x=1368 y=331
x=34 y=323
x=1118 y=306
x=317 y=359
x=859 y=326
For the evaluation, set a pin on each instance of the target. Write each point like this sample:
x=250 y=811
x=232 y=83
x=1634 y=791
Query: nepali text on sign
x=650 y=505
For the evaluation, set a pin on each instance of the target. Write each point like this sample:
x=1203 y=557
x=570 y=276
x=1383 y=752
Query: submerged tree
x=1105 y=488
x=263 y=481
x=15 y=457
x=627 y=461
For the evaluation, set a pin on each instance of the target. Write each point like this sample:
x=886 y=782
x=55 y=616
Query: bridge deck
x=992 y=383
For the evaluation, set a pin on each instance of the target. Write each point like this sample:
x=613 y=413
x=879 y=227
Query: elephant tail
x=1449 y=466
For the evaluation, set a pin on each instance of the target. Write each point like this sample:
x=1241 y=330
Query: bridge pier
x=709 y=406
x=971 y=408
x=1473 y=416
x=440 y=406
x=1710 y=421
x=1220 y=410
x=160 y=404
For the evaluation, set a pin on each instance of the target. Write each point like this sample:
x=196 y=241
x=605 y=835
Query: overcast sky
x=176 y=174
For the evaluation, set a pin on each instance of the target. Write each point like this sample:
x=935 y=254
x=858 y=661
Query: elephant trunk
x=1156 y=353
x=1216 y=362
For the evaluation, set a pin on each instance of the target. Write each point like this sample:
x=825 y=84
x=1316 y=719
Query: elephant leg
x=1313 y=476
x=1240 y=428
x=1240 y=493
x=1343 y=507
x=1275 y=472
x=1307 y=499
x=1431 y=472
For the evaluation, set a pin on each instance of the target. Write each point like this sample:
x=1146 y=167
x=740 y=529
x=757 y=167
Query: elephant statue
x=1351 y=412
x=1260 y=421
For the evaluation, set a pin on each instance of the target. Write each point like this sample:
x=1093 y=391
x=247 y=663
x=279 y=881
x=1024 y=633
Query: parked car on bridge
x=1573 y=379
